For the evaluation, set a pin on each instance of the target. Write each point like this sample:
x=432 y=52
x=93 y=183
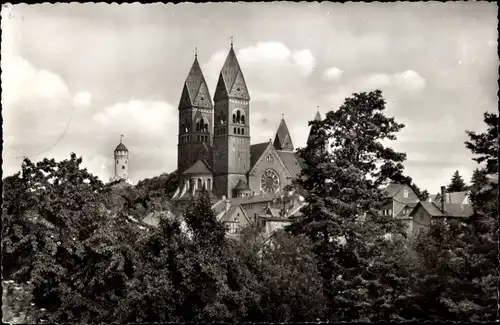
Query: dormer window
x=405 y=194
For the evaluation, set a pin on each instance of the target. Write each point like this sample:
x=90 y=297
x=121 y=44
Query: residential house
x=425 y=212
x=399 y=202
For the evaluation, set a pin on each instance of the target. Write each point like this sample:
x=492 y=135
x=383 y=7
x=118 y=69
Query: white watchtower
x=121 y=162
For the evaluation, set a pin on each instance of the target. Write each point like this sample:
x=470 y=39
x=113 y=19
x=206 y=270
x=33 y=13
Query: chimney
x=443 y=192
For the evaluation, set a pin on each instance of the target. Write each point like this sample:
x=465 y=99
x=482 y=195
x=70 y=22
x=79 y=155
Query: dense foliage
x=361 y=256
x=78 y=251
x=457 y=183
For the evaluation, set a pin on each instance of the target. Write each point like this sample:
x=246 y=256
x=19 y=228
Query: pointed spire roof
x=317 y=118
x=231 y=81
x=283 y=140
x=195 y=91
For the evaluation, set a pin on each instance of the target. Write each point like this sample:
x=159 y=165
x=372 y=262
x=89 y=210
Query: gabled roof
x=195 y=91
x=231 y=81
x=283 y=140
x=232 y=210
x=408 y=206
x=454 y=197
x=256 y=151
x=200 y=167
x=291 y=162
x=392 y=190
x=450 y=209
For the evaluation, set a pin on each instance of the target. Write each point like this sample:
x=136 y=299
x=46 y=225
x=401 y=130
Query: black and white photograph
x=270 y=162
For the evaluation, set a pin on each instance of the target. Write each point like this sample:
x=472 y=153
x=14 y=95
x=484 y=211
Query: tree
x=65 y=249
x=459 y=259
x=191 y=273
x=485 y=145
x=291 y=286
x=342 y=185
x=444 y=283
x=457 y=183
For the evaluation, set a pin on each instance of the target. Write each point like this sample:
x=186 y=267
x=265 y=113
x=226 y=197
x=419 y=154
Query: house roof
x=232 y=210
x=200 y=167
x=453 y=197
x=291 y=162
x=410 y=206
x=432 y=209
x=450 y=209
x=255 y=199
x=283 y=140
x=256 y=151
x=392 y=190
x=219 y=206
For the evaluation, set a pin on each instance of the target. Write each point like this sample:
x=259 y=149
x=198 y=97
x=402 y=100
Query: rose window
x=269 y=181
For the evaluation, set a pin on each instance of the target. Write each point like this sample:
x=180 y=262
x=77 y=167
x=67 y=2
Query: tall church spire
x=283 y=140
x=231 y=81
x=195 y=91
x=317 y=118
x=195 y=119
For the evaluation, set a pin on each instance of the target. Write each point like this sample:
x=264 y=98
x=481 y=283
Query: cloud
x=83 y=99
x=36 y=108
x=409 y=80
x=396 y=85
x=150 y=133
x=153 y=116
x=261 y=63
x=305 y=60
x=332 y=74
x=268 y=51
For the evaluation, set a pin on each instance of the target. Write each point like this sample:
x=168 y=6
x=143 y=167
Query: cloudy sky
x=76 y=76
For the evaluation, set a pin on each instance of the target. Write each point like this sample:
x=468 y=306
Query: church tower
x=195 y=120
x=231 y=143
x=121 y=161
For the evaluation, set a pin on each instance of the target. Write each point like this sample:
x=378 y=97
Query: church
x=245 y=181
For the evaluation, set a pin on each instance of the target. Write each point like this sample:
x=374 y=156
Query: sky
x=76 y=76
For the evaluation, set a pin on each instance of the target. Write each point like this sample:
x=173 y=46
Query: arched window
x=238 y=130
x=234 y=118
x=243 y=119
x=242 y=131
x=234 y=131
x=200 y=183
x=238 y=117
x=209 y=184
